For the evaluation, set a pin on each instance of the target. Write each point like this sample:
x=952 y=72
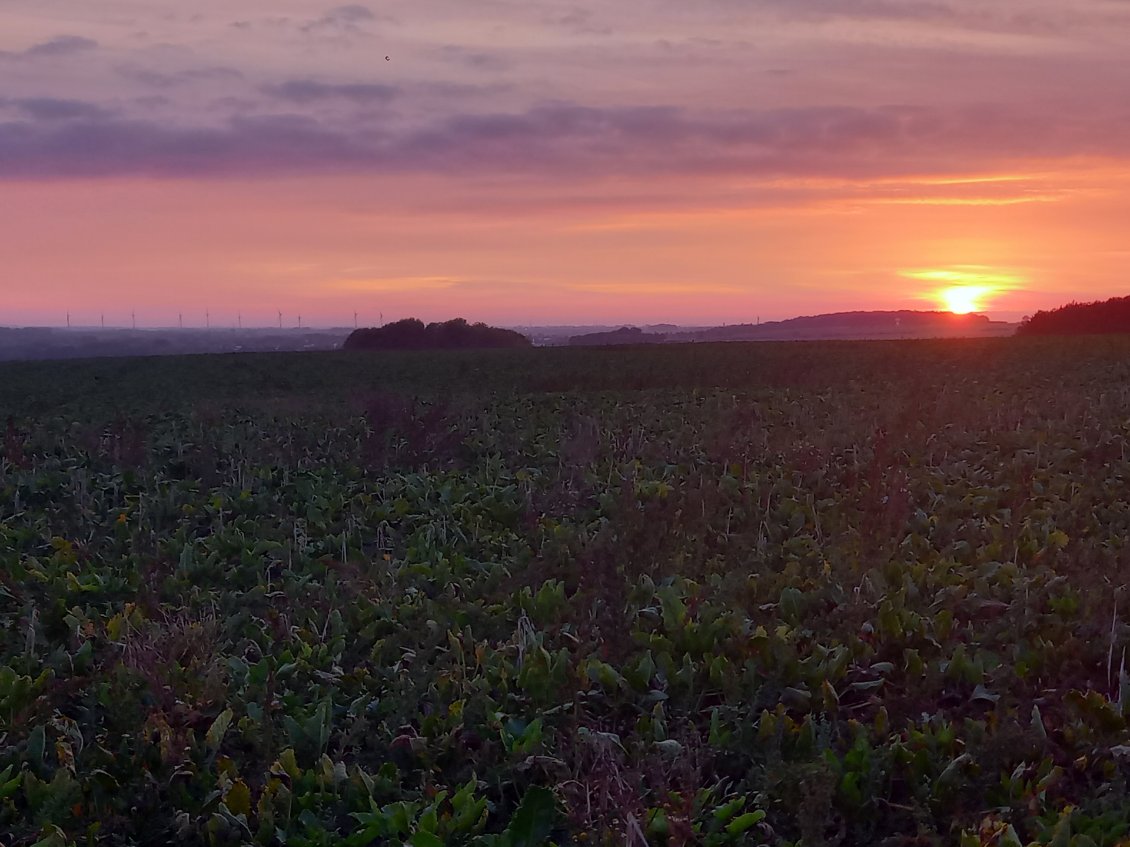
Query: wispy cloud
x=562 y=139
x=482 y=60
x=654 y=287
x=55 y=48
x=350 y=19
x=50 y=109
x=970 y=201
x=998 y=278
x=374 y=284
x=171 y=79
x=242 y=147
x=306 y=91
x=338 y=23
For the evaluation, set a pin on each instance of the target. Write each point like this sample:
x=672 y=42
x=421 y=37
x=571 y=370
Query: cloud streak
x=68 y=138
x=172 y=79
x=51 y=109
x=58 y=47
x=307 y=91
x=130 y=147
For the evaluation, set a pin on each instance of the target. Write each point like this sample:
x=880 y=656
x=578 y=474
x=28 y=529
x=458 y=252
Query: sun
x=963 y=299
x=964 y=289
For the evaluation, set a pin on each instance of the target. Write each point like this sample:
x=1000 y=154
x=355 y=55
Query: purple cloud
x=477 y=59
x=246 y=146
x=352 y=14
x=58 y=47
x=171 y=79
x=304 y=91
x=895 y=9
x=345 y=19
x=562 y=139
x=577 y=20
x=53 y=109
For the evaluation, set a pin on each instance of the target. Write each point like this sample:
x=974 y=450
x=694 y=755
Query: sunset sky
x=524 y=161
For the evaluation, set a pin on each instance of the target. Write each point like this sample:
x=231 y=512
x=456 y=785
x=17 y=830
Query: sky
x=533 y=162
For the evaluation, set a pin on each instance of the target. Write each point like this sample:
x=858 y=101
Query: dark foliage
x=412 y=334
x=89 y=343
x=720 y=595
x=1100 y=317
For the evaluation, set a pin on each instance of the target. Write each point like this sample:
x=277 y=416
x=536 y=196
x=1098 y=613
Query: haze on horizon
x=545 y=162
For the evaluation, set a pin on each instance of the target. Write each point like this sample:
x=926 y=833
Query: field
x=782 y=594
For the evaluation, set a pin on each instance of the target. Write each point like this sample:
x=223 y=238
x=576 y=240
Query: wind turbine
x=207 y=319
x=133 y=318
x=280 y=318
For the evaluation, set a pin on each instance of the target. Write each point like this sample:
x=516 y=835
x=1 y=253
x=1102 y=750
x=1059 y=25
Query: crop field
x=767 y=594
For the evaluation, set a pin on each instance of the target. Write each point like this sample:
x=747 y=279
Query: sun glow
x=963 y=299
x=964 y=289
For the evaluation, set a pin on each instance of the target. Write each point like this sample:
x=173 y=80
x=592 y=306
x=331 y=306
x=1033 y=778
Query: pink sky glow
x=525 y=161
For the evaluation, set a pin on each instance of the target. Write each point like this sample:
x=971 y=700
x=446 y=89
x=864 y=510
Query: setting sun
x=964 y=289
x=963 y=299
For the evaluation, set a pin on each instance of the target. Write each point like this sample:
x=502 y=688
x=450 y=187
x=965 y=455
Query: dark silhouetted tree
x=1100 y=317
x=412 y=334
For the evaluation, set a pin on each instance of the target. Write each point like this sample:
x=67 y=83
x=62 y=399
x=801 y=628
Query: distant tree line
x=87 y=342
x=413 y=334
x=1100 y=317
x=624 y=335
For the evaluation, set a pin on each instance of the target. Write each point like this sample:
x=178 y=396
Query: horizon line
x=321 y=327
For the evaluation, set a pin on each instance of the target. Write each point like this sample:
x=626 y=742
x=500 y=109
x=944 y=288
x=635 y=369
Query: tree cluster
x=1100 y=317
x=413 y=334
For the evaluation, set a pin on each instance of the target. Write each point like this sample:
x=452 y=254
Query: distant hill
x=862 y=325
x=553 y=335
x=624 y=335
x=840 y=325
x=412 y=334
x=1097 y=318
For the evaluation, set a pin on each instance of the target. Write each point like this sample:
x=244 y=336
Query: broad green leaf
x=218 y=729
x=743 y=822
x=534 y=819
x=238 y=798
